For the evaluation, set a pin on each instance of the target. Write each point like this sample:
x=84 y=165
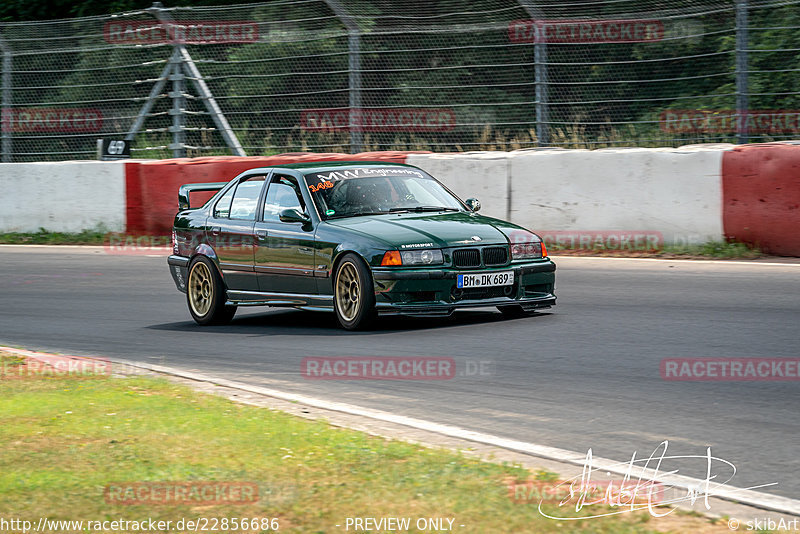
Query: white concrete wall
x=483 y=175
x=677 y=192
x=67 y=196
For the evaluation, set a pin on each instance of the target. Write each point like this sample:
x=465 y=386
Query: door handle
x=215 y=230
x=261 y=234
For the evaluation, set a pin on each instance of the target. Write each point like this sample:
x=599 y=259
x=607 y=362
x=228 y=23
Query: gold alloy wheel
x=348 y=291
x=201 y=289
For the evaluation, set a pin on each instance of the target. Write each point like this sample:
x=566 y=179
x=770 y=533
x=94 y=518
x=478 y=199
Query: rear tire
x=205 y=294
x=353 y=293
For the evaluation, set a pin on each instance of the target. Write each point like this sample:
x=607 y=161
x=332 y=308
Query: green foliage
x=600 y=94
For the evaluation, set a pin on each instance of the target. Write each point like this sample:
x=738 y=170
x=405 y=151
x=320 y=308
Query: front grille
x=495 y=255
x=467 y=257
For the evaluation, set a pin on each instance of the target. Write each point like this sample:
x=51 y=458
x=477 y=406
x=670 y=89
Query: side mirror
x=474 y=204
x=293 y=215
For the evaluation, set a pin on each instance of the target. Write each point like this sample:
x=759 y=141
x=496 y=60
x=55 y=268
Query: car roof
x=323 y=166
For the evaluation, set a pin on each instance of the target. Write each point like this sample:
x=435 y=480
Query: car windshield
x=371 y=190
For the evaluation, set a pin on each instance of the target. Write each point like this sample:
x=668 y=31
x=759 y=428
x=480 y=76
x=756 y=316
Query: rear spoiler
x=183 y=192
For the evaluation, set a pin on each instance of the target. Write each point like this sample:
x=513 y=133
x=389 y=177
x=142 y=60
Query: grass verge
x=66 y=440
x=95 y=236
x=99 y=236
x=719 y=250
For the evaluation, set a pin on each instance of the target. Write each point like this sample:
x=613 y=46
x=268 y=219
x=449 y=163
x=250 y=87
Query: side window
x=223 y=208
x=283 y=193
x=245 y=200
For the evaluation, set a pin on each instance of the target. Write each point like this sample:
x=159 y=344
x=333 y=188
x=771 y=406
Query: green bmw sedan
x=360 y=239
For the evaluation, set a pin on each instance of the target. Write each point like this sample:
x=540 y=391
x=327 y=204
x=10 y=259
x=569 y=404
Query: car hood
x=436 y=230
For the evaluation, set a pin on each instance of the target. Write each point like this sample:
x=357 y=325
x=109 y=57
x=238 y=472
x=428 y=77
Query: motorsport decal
x=320 y=181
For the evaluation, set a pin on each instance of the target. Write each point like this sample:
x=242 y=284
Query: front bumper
x=433 y=292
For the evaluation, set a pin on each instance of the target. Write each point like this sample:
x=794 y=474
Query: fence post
x=149 y=102
x=742 y=104
x=542 y=109
x=539 y=73
x=354 y=78
x=354 y=66
x=6 y=118
x=177 y=77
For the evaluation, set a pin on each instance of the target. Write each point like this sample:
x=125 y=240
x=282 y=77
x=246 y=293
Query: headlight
x=422 y=257
x=413 y=257
x=523 y=251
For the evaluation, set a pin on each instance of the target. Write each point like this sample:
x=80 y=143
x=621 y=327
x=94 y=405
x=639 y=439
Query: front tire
x=353 y=293
x=205 y=294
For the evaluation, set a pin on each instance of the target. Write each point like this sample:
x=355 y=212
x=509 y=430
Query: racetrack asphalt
x=582 y=375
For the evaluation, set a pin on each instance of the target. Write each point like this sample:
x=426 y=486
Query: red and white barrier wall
x=761 y=196
x=152 y=186
x=672 y=191
x=691 y=194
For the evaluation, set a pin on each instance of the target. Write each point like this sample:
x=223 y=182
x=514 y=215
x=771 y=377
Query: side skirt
x=291 y=300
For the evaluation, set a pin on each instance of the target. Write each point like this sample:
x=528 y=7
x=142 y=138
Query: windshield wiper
x=344 y=216
x=420 y=209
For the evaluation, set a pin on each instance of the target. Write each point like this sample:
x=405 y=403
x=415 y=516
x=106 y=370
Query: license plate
x=502 y=278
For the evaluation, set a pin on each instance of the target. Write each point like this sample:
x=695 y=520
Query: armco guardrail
x=685 y=195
